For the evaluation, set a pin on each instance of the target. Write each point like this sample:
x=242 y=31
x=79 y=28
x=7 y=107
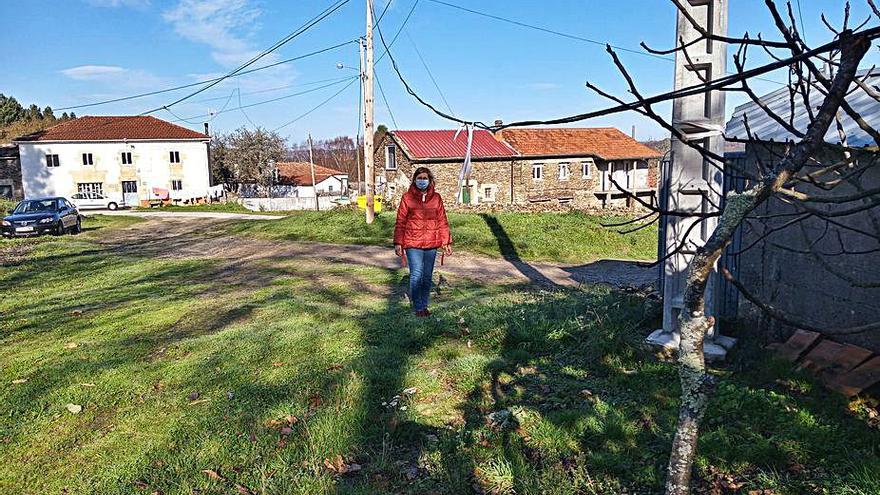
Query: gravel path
x=172 y=236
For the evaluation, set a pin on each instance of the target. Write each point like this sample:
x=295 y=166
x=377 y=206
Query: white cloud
x=115 y=76
x=223 y=25
x=93 y=72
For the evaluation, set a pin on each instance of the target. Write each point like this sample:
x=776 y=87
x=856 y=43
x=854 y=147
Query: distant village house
x=569 y=166
x=131 y=159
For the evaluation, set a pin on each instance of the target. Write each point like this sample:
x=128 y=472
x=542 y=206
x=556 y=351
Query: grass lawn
x=286 y=376
x=562 y=237
x=215 y=207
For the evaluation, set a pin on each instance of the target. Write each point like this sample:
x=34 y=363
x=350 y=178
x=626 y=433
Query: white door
x=620 y=175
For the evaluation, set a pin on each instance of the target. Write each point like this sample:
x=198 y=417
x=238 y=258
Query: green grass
x=561 y=237
x=183 y=365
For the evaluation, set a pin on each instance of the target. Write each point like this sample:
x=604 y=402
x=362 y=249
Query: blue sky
x=71 y=52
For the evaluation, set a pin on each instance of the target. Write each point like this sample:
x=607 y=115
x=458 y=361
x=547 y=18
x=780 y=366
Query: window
x=52 y=161
x=330 y=188
x=564 y=171
x=90 y=187
x=126 y=158
x=587 y=169
x=538 y=171
x=488 y=194
x=174 y=157
x=129 y=186
x=177 y=185
x=391 y=157
x=87 y=159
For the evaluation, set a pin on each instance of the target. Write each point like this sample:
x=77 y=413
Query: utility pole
x=312 y=167
x=370 y=176
x=690 y=182
x=362 y=115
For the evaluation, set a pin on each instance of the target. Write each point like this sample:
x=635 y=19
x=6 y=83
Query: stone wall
x=511 y=181
x=821 y=291
x=10 y=173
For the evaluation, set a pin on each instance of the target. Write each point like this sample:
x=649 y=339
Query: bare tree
x=248 y=156
x=801 y=174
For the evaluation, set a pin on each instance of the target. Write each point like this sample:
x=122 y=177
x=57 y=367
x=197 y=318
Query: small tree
x=48 y=114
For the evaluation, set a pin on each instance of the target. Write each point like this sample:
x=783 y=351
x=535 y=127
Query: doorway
x=130 y=193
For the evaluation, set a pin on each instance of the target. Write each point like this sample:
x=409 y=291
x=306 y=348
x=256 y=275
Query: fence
x=289 y=204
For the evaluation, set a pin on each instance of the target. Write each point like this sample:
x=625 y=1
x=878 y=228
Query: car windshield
x=37 y=206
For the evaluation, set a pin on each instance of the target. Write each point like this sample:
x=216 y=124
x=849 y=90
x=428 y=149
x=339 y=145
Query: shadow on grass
x=589 y=412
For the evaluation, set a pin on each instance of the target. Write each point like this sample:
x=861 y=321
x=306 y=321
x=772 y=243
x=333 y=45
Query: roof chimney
x=499 y=122
x=206 y=129
x=633 y=131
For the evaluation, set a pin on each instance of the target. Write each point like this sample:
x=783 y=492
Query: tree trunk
x=696 y=383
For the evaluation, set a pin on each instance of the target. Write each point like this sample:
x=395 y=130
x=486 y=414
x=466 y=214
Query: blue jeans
x=421 y=268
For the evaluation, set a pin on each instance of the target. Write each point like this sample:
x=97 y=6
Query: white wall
x=150 y=166
x=338 y=182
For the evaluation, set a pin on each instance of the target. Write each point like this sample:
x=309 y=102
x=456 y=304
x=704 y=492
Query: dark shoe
x=421 y=313
x=426 y=312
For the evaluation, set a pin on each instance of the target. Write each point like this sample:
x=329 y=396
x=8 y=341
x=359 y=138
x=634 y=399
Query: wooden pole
x=362 y=115
x=370 y=176
x=312 y=167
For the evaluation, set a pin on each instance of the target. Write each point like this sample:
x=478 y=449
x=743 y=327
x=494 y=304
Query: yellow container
x=377 y=203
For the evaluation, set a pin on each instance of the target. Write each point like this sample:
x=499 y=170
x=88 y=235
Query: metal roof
x=442 y=144
x=764 y=128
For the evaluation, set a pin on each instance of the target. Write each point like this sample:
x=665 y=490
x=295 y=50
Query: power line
x=428 y=70
x=399 y=29
x=319 y=105
x=240 y=107
x=572 y=36
x=702 y=88
x=277 y=88
x=176 y=88
x=382 y=92
x=300 y=93
x=550 y=31
x=299 y=31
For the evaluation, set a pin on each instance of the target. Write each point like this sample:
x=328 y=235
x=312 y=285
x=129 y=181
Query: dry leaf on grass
x=339 y=467
x=200 y=401
x=19 y=381
x=74 y=408
x=71 y=345
x=214 y=475
x=277 y=364
x=86 y=384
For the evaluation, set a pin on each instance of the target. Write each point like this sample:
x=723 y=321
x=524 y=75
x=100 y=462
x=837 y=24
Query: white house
x=129 y=159
x=294 y=180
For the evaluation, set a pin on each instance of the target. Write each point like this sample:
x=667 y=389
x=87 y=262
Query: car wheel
x=78 y=227
x=112 y=206
x=59 y=229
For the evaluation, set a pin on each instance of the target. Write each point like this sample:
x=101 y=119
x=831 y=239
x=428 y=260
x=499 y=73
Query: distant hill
x=661 y=145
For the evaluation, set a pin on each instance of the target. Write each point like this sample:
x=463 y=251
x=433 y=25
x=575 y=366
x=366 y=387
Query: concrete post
x=688 y=181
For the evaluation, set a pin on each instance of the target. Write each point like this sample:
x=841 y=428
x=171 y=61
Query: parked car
x=93 y=201
x=42 y=216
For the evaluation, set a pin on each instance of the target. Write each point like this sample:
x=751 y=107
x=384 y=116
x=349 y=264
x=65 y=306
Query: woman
x=421 y=229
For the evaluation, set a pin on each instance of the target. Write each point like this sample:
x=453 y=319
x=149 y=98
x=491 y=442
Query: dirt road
x=175 y=237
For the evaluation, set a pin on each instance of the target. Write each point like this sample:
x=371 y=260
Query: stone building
x=10 y=173
x=516 y=167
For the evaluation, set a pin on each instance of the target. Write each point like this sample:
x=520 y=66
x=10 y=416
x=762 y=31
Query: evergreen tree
x=48 y=114
x=64 y=116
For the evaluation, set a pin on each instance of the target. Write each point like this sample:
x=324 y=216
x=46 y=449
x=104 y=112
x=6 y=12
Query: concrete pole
x=312 y=168
x=369 y=174
x=688 y=182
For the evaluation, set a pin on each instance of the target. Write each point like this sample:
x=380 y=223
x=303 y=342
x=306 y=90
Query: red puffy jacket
x=421 y=220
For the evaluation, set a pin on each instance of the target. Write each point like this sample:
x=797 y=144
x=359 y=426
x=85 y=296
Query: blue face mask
x=422 y=184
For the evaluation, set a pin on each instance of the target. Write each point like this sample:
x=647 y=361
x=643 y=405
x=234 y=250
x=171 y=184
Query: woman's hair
x=423 y=170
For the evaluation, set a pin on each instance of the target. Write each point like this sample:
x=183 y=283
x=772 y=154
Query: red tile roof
x=299 y=173
x=113 y=129
x=607 y=143
x=443 y=144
